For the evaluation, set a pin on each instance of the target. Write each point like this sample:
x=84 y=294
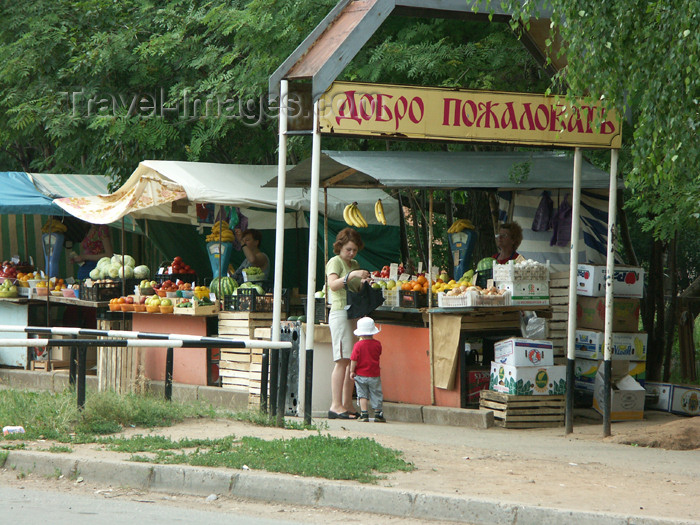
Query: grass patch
x=319 y=455
x=56 y=417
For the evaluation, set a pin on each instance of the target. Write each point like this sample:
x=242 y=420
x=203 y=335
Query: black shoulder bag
x=362 y=302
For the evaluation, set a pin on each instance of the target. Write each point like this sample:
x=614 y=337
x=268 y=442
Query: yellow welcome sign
x=428 y=113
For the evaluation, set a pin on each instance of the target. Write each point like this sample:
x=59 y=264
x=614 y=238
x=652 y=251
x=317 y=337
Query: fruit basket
x=153 y=308
x=167 y=309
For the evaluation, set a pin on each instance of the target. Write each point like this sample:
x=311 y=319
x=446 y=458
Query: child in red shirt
x=364 y=369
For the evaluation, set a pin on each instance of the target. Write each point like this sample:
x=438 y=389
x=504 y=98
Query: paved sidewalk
x=466 y=471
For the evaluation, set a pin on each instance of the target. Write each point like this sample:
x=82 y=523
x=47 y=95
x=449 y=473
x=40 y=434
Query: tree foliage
x=641 y=59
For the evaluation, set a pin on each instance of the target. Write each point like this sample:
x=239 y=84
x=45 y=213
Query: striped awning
x=58 y=186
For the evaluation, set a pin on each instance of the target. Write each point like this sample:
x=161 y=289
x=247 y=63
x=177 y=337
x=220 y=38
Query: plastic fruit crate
x=511 y=271
x=100 y=291
x=319 y=309
x=412 y=299
x=391 y=297
x=248 y=300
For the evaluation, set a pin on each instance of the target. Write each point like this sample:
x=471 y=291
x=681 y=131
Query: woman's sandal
x=353 y=415
x=338 y=415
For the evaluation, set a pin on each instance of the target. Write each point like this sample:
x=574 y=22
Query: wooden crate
x=43 y=365
x=117 y=368
x=210 y=309
x=557 y=326
x=511 y=411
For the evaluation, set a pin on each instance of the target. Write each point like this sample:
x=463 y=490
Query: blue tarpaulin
x=21 y=197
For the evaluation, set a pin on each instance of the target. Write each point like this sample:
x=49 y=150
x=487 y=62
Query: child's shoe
x=364 y=416
x=379 y=417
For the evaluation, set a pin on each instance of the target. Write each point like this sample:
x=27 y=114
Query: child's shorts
x=370 y=388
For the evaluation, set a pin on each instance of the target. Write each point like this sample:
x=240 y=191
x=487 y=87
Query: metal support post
x=82 y=357
x=169 y=374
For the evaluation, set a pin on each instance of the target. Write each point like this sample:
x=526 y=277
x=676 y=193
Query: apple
x=376 y=286
x=166 y=302
x=142 y=299
x=129 y=300
x=153 y=284
x=390 y=284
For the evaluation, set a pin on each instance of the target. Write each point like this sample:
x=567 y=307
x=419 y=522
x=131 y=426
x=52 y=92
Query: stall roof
x=154 y=185
x=20 y=196
x=436 y=169
x=70 y=185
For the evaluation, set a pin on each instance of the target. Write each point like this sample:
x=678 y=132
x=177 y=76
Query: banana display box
x=528 y=380
x=626 y=346
x=585 y=371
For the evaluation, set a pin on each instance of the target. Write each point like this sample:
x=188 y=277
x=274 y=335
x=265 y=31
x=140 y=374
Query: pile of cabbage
x=111 y=268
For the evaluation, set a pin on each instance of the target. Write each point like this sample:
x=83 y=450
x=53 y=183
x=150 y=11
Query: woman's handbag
x=364 y=301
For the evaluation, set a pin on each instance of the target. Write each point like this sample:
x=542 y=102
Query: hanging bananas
x=459 y=225
x=53 y=225
x=353 y=217
x=220 y=230
x=379 y=212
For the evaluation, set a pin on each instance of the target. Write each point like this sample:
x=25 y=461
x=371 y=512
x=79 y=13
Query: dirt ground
x=647 y=468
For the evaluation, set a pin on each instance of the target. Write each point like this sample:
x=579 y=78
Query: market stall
x=36 y=239
x=406 y=331
x=160 y=189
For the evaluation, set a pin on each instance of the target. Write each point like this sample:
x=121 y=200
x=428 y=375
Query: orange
x=421 y=279
x=417 y=288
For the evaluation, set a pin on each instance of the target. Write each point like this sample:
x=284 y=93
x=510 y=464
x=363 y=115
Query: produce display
x=353 y=217
x=220 y=231
x=253 y=273
x=8 y=289
x=379 y=212
x=112 y=268
x=177 y=266
x=222 y=286
x=527 y=270
x=459 y=225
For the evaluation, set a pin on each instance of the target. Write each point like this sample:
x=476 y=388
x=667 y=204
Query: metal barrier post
x=282 y=386
x=72 y=365
x=82 y=357
x=169 y=375
x=264 y=374
x=274 y=376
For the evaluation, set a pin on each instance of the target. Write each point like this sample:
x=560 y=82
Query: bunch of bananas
x=53 y=225
x=379 y=212
x=220 y=230
x=459 y=225
x=352 y=216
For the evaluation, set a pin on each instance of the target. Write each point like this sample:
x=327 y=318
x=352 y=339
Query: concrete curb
x=264 y=486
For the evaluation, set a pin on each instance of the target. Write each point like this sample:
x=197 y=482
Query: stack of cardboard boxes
x=629 y=345
x=525 y=367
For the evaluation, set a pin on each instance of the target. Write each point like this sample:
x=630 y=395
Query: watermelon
x=485 y=264
x=228 y=285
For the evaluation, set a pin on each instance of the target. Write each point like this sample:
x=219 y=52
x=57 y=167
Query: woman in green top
x=341 y=268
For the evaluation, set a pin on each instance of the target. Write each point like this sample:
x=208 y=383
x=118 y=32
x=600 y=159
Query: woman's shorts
x=341 y=334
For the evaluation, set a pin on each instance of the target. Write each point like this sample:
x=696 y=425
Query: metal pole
x=282 y=389
x=279 y=223
x=306 y=358
x=279 y=253
x=264 y=373
x=430 y=298
x=610 y=269
x=72 y=368
x=274 y=375
x=169 y=374
x=573 y=271
x=82 y=356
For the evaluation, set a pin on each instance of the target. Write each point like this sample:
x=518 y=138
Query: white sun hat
x=365 y=326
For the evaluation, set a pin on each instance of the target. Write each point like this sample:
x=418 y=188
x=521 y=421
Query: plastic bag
x=543 y=216
x=533 y=327
x=364 y=301
x=561 y=224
